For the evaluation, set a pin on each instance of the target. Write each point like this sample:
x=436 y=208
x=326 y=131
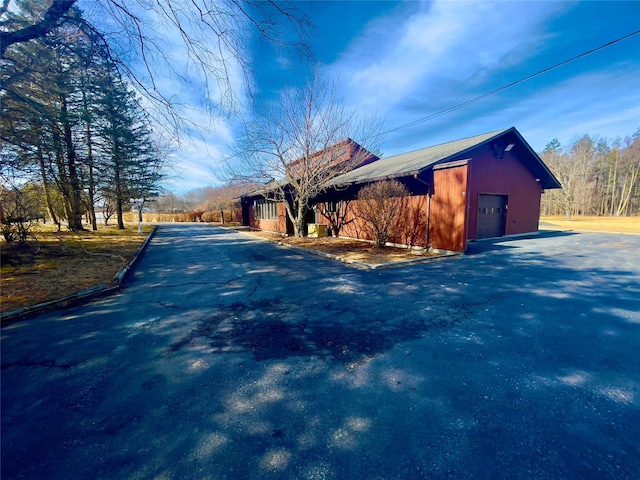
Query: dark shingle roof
x=418 y=161
x=413 y=162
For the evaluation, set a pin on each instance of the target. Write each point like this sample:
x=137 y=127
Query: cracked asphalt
x=228 y=357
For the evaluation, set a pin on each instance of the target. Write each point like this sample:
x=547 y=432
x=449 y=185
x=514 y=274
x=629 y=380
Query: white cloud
x=421 y=59
x=429 y=54
x=200 y=161
x=581 y=105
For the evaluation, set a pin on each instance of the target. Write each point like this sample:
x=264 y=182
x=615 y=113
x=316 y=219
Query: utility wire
x=493 y=92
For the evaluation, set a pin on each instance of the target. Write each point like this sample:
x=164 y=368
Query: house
x=485 y=186
x=264 y=209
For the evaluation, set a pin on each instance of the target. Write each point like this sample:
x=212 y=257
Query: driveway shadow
x=502 y=243
x=230 y=358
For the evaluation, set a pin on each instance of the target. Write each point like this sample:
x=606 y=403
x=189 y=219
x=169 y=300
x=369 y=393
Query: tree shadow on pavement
x=274 y=329
x=516 y=364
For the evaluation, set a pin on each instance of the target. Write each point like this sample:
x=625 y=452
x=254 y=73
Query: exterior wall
x=411 y=230
x=276 y=226
x=448 y=219
x=506 y=176
x=413 y=227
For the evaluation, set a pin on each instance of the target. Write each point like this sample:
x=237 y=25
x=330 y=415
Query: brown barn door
x=492 y=215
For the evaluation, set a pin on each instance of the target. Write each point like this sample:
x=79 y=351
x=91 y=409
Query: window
x=266 y=210
x=490 y=210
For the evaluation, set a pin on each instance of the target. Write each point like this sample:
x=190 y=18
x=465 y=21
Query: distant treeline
x=598 y=176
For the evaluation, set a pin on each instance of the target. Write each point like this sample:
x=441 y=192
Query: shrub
x=195 y=216
x=215 y=216
x=210 y=217
x=381 y=205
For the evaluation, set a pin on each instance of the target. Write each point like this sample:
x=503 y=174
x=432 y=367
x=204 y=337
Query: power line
x=493 y=92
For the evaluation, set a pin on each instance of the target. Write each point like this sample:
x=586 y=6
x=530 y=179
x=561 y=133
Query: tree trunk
x=119 y=214
x=298 y=228
x=45 y=186
x=63 y=179
x=92 y=184
x=119 y=200
x=75 y=195
x=299 y=225
x=614 y=187
x=92 y=206
x=626 y=193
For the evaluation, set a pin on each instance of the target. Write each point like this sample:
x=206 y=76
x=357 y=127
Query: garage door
x=492 y=214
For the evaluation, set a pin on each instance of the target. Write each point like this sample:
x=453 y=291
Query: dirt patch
x=58 y=264
x=354 y=250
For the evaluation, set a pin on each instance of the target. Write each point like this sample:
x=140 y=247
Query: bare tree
x=630 y=168
x=300 y=144
x=108 y=210
x=413 y=223
x=573 y=170
x=20 y=209
x=219 y=202
x=598 y=177
x=169 y=202
x=382 y=206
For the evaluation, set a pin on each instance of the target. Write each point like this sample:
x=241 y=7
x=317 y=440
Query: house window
x=266 y=210
x=332 y=207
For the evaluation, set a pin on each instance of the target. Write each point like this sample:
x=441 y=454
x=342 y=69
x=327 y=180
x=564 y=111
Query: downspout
x=467 y=210
x=428 y=242
x=429 y=220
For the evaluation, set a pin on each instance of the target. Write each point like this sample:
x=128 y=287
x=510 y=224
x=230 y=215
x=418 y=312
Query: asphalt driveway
x=230 y=357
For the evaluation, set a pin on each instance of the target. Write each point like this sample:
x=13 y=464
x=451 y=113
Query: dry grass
x=354 y=250
x=596 y=224
x=62 y=263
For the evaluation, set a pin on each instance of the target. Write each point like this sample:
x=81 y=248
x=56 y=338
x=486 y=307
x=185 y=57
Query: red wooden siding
x=411 y=229
x=448 y=209
x=277 y=226
x=506 y=176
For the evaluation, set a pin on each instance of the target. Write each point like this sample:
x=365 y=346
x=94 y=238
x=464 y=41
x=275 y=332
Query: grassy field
x=61 y=263
x=593 y=224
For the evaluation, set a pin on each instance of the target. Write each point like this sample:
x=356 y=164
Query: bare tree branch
x=52 y=18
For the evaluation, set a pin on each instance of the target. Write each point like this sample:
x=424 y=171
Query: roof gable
x=342 y=156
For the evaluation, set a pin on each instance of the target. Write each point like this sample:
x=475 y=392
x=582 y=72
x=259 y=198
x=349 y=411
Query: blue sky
x=406 y=60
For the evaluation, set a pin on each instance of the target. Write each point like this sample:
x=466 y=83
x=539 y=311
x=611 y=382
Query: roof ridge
x=489 y=134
